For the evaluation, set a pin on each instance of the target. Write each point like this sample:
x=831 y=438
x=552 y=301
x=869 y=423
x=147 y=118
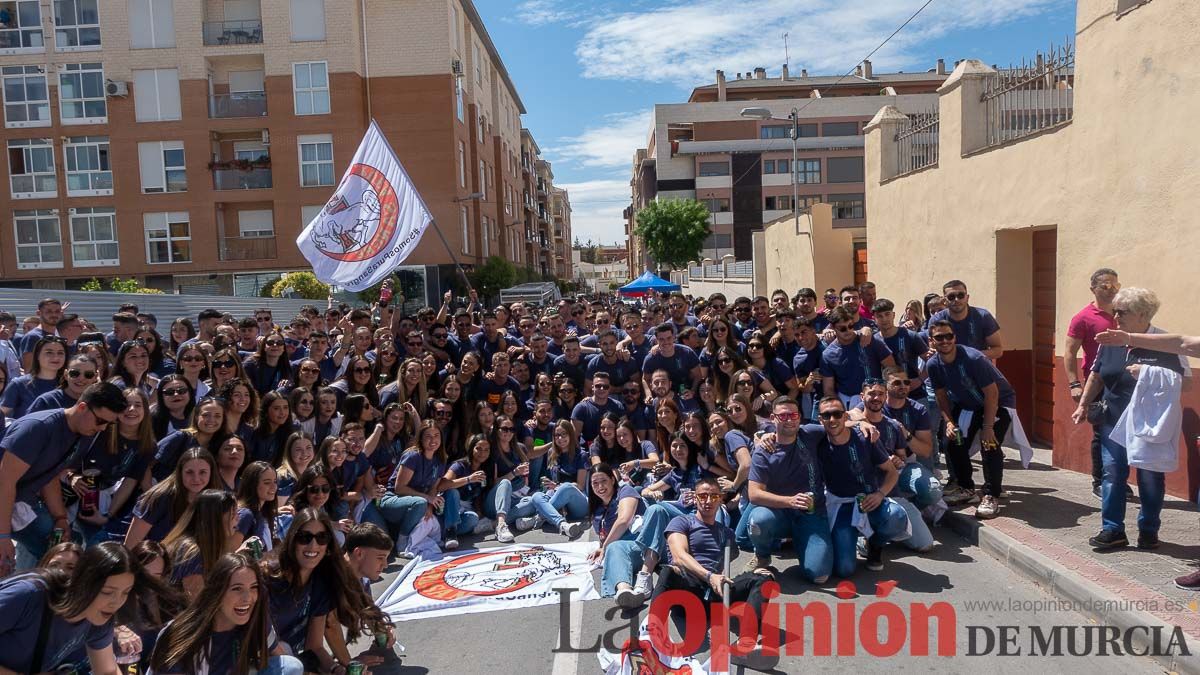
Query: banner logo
x=489 y=573
x=359 y=220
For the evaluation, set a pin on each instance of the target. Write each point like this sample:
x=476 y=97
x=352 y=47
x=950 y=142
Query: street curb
x=1064 y=584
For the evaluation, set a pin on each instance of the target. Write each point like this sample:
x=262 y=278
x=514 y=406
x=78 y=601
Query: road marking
x=567 y=662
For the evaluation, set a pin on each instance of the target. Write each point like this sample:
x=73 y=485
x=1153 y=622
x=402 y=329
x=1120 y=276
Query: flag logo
x=489 y=573
x=353 y=231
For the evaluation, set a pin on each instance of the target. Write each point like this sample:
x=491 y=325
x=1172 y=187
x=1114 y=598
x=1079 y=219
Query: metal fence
x=917 y=142
x=741 y=268
x=1023 y=100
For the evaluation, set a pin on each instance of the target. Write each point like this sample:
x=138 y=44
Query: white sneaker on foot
x=503 y=535
x=450 y=544
x=629 y=598
x=529 y=523
x=570 y=530
x=643 y=584
x=484 y=526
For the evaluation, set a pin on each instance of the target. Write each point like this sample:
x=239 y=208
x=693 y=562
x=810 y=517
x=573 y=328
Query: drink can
x=256 y=549
x=439 y=509
x=859 y=499
x=56 y=537
x=89 y=502
x=483 y=483
x=355 y=668
x=812 y=502
x=381 y=639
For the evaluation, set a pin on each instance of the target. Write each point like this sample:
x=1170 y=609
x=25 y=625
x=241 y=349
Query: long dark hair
x=316 y=470
x=172 y=488
x=157 y=354
x=121 y=371
x=184 y=643
x=36 y=368
x=70 y=596
x=173 y=346
x=160 y=417
x=247 y=494
x=594 y=502
x=201 y=531
x=355 y=609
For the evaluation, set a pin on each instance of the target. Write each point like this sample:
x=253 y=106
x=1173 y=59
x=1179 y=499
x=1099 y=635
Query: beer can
x=812 y=502
x=89 y=502
x=355 y=668
x=859 y=498
x=256 y=549
x=439 y=509
x=381 y=639
x=56 y=537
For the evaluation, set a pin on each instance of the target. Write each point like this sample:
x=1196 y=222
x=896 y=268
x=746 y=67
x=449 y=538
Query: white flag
x=373 y=221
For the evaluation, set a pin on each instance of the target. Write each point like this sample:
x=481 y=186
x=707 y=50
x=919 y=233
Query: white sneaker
x=401 y=546
x=503 y=535
x=629 y=598
x=450 y=544
x=642 y=585
x=529 y=523
x=570 y=530
x=484 y=526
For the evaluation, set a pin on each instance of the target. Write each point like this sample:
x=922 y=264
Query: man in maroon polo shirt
x=1093 y=319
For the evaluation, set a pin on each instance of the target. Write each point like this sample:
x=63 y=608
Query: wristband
x=1075 y=384
x=708 y=579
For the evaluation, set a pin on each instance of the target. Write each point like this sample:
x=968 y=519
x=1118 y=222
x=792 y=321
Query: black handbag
x=1097 y=412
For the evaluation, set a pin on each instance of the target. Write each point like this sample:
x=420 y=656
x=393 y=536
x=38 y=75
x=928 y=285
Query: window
x=456 y=28
x=81 y=94
x=487 y=235
x=26 y=97
x=308 y=214
x=162 y=167
x=76 y=25
x=807 y=202
x=846 y=206
x=316 y=160
x=250 y=151
x=808 y=171
x=462 y=164
x=168 y=238
x=480 y=123
x=156 y=95
x=459 y=109
x=308 y=20
x=151 y=24
x=785 y=131
x=482 y=180
x=31 y=168
x=775 y=165
x=716 y=205
x=839 y=129
x=39 y=239
x=718 y=241
x=256 y=224
x=88 y=171
x=845 y=169
x=310 y=85
x=466 y=231
x=714 y=168
x=780 y=203
x=94 y=237
x=21 y=28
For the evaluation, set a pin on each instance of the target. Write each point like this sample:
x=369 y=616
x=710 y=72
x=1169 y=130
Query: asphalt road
x=522 y=641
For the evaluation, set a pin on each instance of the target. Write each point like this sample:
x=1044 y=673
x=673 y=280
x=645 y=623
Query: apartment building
x=187 y=143
x=547 y=215
x=742 y=167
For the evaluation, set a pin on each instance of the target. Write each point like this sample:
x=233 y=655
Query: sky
x=589 y=73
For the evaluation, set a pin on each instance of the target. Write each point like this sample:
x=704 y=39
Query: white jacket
x=1151 y=426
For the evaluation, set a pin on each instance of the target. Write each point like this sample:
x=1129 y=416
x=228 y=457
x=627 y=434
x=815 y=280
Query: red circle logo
x=359 y=221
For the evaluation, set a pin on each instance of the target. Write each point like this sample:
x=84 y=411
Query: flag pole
x=451 y=252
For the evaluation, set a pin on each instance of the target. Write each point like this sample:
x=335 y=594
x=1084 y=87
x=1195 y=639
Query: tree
x=673 y=230
x=119 y=285
x=493 y=276
x=303 y=284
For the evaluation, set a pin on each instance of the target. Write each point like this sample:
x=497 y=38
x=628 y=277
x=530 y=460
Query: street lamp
x=765 y=114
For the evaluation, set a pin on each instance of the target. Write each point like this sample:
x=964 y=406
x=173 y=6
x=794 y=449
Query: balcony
x=233 y=32
x=543 y=214
x=229 y=178
x=241 y=104
x=541 y=187
x=247 y=248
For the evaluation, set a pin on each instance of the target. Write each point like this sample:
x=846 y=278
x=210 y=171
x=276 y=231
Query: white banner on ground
x=490 y=579
x=373 y=221
x=638 y=658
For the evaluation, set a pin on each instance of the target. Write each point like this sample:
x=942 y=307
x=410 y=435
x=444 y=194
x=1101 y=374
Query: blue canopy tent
x=649 y=281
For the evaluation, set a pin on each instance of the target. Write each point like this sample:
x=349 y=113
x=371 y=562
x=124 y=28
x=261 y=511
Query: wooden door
x=1045 y=246
x=860 y=264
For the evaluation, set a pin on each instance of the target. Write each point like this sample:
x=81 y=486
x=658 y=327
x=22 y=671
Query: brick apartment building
x=704 y=149
x=186 y=143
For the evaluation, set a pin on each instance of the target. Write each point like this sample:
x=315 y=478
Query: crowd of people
x=217 y=496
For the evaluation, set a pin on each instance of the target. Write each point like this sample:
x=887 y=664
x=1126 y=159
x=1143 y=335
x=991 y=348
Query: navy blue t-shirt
x=973 y=330
x=291 y=609
x=589 y=413
x=638 y=353
x=566 y=470
x=604 y=517
x=575 y=372
x=22 y=391
x=1110 y=364
x=43 y=441
x=851 y=468
x=678 y=366
x=22 y=606
x=792 y=468
x=425 y=472
x=965 y=379
x=913 y=415
x=706 y=543
x=157 y=514
x=480 y=343
x=492 y=393
x=907 y=347
x=169 y=451
x=618 y=373
x=471 y=491
x=850 y=364
x=52 y=400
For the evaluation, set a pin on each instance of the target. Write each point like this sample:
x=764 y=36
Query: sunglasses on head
x=304 y=537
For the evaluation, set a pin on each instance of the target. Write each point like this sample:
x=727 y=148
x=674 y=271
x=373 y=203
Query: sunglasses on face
x=291 y=342
x=192 y=359
x=900 y=383
x=787 y=416
x=832 y=414
x=263 y=318
x=706 y=497
x=754 y=345
x=942 y=337
x=958 y=295
x=175 y=392
x=601 y=387
x=304 y=538
x=725 y=360
x=442 y=413
x=439 y=336
x=310 y=369
x=362 y=369
x=507 y=430
x=274 y=343
x=228 y=363
x=86 y=374
x=320 y=489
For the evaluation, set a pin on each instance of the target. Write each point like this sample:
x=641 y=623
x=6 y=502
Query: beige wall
x=1117 y=182
x=791 y=263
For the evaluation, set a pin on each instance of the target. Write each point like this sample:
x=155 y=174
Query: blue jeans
x=741 y=533
x=622 y=559
x=456 y=520
x=33 y=540
x=888 y=521
x=500 y=500
x=283 y=665
x=566 y=497
x=921 y=539
x=810 y=538
x=1151 y=488
x=918 y=484
x=400 y=514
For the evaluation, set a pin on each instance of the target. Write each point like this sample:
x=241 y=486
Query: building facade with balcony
x=742 y=168
x=188 y=143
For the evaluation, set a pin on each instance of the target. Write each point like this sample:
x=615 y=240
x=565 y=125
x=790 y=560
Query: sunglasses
x=844 y=328
x=304 y=537
x=86 y=374
x=725 y=360
x=175 y=392
x=787 y=416
x=322 y=489
x=507 y=430
x=900 y=383
x=706 y=497
x=439 y=336
x=227 y=363
x=754 y=346
x=601 y=387
x=274 y=343
x=265 y=317
x=942 y=337
x=310 y=369
x=362 y=369
x=719 y=329
x=744 y=383
x=832 y=414
x=192 y=359
x=959 y=295
x=442 y=413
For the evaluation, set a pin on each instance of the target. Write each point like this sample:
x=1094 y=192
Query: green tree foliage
x=587 y=252
x=493 y=276
x=303 y=284
x=673 y=230
x=119 y=285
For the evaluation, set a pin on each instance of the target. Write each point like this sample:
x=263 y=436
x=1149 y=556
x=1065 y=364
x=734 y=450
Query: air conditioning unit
x=266 y=137
x=114 y=88
x=456 y=66
x=71 y=210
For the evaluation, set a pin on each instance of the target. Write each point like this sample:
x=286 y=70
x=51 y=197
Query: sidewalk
x=1042 y=534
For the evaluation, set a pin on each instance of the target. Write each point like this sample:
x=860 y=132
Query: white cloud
x=685 y=42
x=596 y=209
x=609 y=144
x=542 y=12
